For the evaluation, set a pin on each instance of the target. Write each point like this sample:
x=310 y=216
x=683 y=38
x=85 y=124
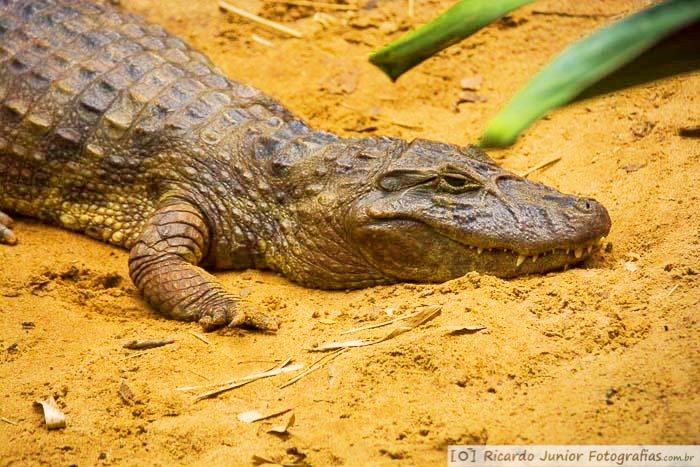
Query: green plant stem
x=460 y=21
x=593 y=58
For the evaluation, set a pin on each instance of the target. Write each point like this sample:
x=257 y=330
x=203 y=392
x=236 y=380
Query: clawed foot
x=235 y=317
x=7 y=236
x=162 y=264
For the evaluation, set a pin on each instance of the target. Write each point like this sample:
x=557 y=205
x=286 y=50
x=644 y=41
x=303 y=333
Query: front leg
x=162 y=264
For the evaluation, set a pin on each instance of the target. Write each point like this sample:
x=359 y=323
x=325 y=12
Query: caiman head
x=429 y=212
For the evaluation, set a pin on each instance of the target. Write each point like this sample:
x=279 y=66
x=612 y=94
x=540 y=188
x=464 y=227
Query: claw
x=5 y=219
x=232 y=317
x=7 y=236
x=262 y=322
x=213 y=321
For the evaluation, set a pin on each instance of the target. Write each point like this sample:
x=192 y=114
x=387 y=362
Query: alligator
x=114 y=128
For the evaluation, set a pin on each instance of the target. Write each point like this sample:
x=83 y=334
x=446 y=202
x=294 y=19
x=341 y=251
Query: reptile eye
x=457 y=183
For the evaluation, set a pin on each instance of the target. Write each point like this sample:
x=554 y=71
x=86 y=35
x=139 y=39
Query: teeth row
x=576 y=252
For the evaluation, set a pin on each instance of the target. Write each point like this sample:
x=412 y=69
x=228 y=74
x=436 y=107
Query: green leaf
x=599 y=55
x=460 y=21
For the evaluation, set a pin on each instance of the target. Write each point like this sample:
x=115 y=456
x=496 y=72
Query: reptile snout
x=589 y=218
x=600 y=219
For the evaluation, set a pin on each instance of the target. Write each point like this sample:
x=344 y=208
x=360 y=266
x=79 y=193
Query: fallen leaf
x=472 y=83
x=53 y=417
x=630 y=168
x=468 y=96
x=282 y=428
x=458 y=330
x=126 y=393
x=255 y=416
x=260 y=460
x=250 y=416
x=388 y=27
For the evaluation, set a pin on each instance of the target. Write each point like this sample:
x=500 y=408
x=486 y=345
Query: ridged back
x=85 y=82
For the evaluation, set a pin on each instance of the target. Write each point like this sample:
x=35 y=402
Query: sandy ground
x=606 y=353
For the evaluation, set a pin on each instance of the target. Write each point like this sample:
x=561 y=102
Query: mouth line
x=571 y=254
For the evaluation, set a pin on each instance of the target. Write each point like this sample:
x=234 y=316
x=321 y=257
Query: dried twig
x=379 y=325
x=216 y=392
x=7 y=420
x=384 y=118
x=198 y=374
x=260 y=20
x=673 y=289
x=425 y=315
x=411 y=8
x=265 y=374
x=689 y=132
x=229 y=385
x=261 y=40
x=200 y=337
x=459 y=330
x=317 y=5
x=566 y=14
x=540 y=166
x=283 y=364
x=143 y=345
x=255 y=416
x=314 y=366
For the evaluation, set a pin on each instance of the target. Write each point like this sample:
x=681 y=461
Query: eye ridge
x=400 y=180
x=457 y=183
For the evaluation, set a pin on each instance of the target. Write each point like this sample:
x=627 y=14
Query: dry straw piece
x=236 y=383
x=417 y=319
x=260 y=20
x=540 y=166
x=251 y=416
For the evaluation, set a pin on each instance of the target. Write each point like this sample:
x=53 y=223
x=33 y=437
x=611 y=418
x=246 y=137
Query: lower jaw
x=509 y=264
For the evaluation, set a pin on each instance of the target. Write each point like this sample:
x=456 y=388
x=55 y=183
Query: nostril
x=584 y=205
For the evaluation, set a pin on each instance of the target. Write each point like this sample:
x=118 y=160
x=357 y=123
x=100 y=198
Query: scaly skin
x=111 y=127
